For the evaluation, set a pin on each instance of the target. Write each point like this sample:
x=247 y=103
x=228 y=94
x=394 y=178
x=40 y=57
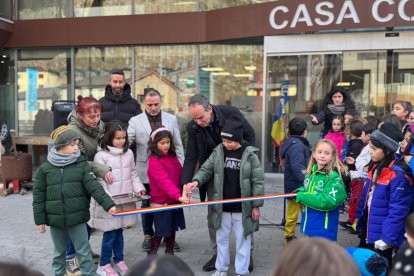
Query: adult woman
x=336 y=103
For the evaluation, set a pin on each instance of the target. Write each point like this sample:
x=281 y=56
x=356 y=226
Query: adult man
x=139 y=130
x=204 y=134
x=117 y=102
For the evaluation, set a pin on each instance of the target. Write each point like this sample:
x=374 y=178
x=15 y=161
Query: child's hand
x=184 y=199
x=109 y=177
x=41 y=228
x=112 y=211
x=314 y=120
x=255 y=214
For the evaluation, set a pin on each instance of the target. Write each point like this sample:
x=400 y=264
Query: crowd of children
x=367 y=164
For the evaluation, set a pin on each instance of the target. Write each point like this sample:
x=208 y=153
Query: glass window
x=232 y=74
x=7 y=93
x=6 y=9
x=220 y=4
x=172 y=71
x=35 y=95
x=44 y=9
x=85 y=8
x=164 y=6
x=92 y=66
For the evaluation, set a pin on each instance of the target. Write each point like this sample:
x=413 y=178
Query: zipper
x=306 y=219
x=326 y=219
x=63 y=198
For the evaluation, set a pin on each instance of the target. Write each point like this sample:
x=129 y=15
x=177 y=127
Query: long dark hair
x=347 y=101
x=152 y=143
x=110 y=129
x=379 y=165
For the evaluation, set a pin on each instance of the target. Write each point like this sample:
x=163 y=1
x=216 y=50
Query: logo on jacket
x=232 y=163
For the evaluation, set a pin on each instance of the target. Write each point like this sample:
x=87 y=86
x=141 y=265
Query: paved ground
x=21 y=241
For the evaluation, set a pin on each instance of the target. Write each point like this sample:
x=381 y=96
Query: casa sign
x=331 y=13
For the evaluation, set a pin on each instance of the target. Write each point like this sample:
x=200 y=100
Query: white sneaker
x=106 y=270
x=219 y=273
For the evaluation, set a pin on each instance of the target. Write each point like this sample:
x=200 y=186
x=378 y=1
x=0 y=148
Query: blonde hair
x=334 y=164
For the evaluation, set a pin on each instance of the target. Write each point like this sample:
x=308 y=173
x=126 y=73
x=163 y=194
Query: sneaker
x=211 y=264
x=219 y=273
x=72 y=267
x=345 y=224
x=106 y=270
x=146 y=244
x=121 y=267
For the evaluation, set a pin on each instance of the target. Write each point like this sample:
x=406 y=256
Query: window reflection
x=42 y=78
x=40 y=9
x=6 y=9
x=85 y=8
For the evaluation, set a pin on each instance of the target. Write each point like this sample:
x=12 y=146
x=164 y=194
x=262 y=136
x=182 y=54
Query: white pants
x=233 y=221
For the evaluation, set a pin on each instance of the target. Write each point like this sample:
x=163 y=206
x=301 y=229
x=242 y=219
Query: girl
x=336 y=103
x=164 y=174
x=337 y=135
x=386 y=197
x=401 y=109
x=115 y=154
x=323 y=192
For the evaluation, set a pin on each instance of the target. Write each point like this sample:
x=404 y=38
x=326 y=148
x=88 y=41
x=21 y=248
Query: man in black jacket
x=117 y=102
x=204 y=134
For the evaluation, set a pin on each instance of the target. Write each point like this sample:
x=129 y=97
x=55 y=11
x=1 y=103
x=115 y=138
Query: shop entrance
x=375 y=78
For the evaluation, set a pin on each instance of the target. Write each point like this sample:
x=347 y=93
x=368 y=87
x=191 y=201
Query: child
x=401 y=109
x=386 y=197
x=60 y=199
x=164 y=174
x=405 y=258
x=369 y=262
x=161 y=265
x=296 y=152
x=337 y=135
x=323 y=192
x=115 y=154
x=236 y=172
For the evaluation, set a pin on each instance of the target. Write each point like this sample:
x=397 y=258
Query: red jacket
x=164 y=174
x=339 y=139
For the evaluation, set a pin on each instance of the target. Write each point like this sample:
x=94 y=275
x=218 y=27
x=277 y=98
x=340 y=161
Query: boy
x=355 y=183
x=296 y=152
x=60 y=199
x=236 y=172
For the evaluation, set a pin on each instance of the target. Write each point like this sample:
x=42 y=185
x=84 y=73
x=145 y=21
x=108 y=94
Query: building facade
x=245 y=53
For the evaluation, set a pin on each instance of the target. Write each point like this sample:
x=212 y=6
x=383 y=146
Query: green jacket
x=60 y=194
x=251 y=184
x=321 y=191
x=89 y=142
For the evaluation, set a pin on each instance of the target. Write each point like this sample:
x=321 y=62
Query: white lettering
x=232 y=163
x=326 y=13
x=272 y=19
x=348 y=5
x=375 y=13
x=401 y=11
x=301 y=10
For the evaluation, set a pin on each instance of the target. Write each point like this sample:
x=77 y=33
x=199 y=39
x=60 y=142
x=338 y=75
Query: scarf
x=337 y=109
x=59 y=159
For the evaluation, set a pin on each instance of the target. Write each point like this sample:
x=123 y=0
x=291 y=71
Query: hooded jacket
x=296 y=152
x=122 y=107
x=61 y=194
x=322 y=194
x=390 y=204
x=251 y=184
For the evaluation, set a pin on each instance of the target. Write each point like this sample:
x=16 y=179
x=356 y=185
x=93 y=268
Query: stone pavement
x=21 y=241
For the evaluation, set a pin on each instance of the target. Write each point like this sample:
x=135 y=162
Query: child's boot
x=169 y=244
x=155 y=244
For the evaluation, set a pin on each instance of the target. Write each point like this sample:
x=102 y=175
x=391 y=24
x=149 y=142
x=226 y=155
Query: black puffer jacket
x=122 y=107
x=199 y=147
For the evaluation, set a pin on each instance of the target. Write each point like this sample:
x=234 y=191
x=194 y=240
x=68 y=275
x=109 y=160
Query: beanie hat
x=389 y=135
x=64 y=135
x=233 y=129
x=369 y=262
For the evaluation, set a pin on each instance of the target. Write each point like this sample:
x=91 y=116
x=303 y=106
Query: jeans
x=70 y=249
x=147 y=219
x=112 y=241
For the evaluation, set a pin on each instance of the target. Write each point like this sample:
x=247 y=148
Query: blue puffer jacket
x=296 y=152
x=391 y=201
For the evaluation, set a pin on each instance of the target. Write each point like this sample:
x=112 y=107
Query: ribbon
x=195 y=204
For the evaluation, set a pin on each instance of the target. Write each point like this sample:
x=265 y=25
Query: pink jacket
x=339 y=139
x=164 y=174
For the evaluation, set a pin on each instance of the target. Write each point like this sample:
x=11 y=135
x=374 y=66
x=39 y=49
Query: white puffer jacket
x=125 y=181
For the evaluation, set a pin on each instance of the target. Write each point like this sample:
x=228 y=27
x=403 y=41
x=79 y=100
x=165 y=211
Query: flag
x=280 y=120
